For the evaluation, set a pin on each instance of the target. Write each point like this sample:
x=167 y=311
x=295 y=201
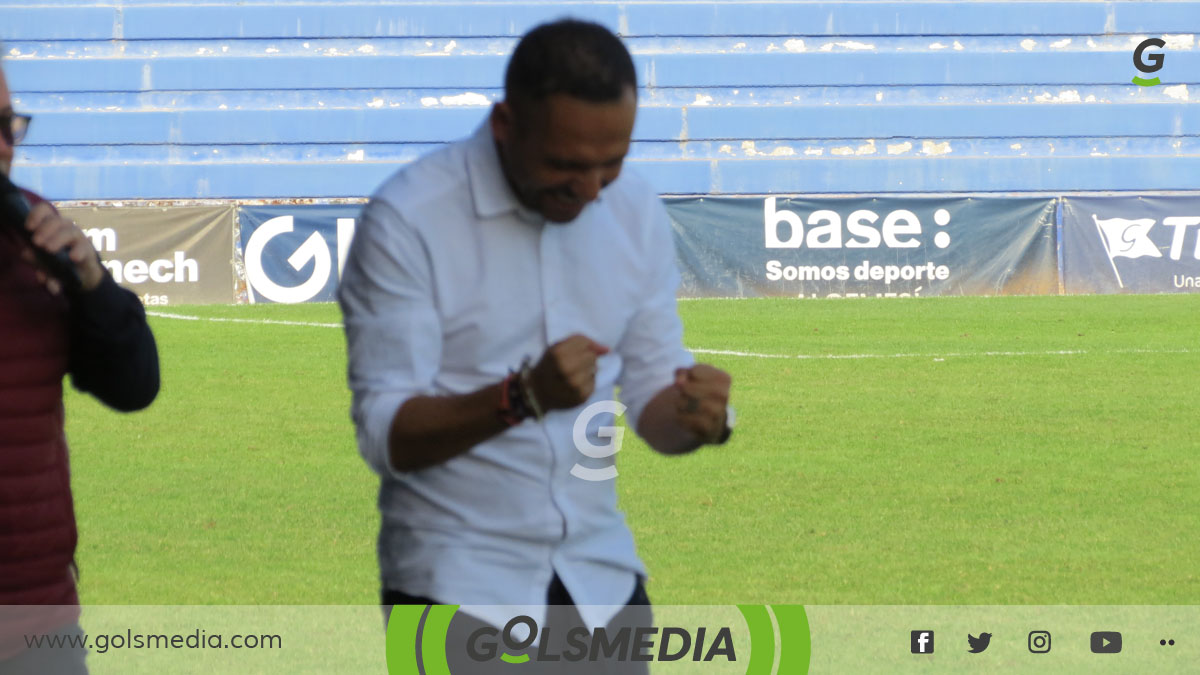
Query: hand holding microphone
x=59 y=246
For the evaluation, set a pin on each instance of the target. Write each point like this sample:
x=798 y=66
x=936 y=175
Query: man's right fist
x=565 y=376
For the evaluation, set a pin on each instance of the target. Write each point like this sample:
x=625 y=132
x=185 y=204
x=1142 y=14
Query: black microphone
x=14 y=211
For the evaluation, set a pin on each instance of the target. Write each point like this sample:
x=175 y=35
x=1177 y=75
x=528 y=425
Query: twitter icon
x=978 y=644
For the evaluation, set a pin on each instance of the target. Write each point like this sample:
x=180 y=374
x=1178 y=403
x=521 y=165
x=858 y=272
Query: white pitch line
x=1063 y=352
x=184 y=317
x=938 y=357
x=755 y=355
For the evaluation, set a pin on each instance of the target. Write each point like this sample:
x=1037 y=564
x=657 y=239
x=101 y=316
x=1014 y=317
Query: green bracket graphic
x=1146 y=83
x=433 y=639
x=762 y=639
x=794 y=638
x=405 y=631
x=795 y=641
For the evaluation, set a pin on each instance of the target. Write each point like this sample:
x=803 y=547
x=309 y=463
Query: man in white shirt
x=496 y=289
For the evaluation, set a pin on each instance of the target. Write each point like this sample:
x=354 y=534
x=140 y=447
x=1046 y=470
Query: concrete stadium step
x=855 y=166
x=803 y=149
x=679 y=97
x=708 y=63
x=441 y=124
x=154 y=19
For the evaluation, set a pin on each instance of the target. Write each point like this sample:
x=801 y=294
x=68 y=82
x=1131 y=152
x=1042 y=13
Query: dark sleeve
x=113 y=355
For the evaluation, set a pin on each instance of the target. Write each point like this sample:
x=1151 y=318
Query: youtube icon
x=1106 y=642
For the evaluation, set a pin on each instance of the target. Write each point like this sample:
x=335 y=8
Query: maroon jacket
x=42 y=338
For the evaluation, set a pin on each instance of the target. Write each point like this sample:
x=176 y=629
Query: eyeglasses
x=13 y=127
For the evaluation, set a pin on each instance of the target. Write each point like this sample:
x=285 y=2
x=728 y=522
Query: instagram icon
x=1039 y=641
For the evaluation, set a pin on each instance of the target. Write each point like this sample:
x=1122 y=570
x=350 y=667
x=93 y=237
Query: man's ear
x=503 y=123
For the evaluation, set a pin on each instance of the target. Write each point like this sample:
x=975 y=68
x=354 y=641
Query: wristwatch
x=730 y=421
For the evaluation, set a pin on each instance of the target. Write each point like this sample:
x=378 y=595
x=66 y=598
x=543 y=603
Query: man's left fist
x=703 y=397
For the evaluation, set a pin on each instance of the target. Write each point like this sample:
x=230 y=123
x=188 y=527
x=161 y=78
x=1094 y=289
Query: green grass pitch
x=1036 y=450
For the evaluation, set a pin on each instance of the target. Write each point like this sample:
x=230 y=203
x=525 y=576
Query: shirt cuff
x=375 y=430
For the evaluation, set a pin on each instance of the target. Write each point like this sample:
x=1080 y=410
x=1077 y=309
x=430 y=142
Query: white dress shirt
x=449 y=284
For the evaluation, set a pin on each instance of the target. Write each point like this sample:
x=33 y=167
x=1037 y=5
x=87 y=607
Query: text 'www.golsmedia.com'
x=100 y=643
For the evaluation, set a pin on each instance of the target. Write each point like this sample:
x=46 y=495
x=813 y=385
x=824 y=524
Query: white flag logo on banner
x=1125 y=238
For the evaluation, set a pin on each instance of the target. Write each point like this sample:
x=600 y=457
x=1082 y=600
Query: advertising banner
x=1131 y=244
x=179 y=255
x=865 y=247
x=295 y=253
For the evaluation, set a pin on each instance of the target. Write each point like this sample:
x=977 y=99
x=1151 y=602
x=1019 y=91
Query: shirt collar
x=490 y=191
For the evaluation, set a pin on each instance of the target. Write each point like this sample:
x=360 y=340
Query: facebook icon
x=922 y=642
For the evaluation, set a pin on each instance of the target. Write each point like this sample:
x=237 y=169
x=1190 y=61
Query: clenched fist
x=703 y=397
x=566 y=374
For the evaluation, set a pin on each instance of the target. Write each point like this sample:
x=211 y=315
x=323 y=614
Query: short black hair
x=578 y=58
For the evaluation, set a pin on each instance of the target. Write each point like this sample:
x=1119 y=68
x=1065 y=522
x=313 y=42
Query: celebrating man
x=495 y=290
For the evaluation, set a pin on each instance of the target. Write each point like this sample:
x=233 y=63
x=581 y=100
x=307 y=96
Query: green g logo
x=1148 y=64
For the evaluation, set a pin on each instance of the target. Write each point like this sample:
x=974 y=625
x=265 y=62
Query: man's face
x=6 y=150
x=558 y=153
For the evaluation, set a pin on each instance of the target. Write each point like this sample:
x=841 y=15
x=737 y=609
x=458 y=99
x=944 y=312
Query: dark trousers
x=561 y=618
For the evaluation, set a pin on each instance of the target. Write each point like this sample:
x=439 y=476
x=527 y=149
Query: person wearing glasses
x=76 y=321
x=496 y=293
